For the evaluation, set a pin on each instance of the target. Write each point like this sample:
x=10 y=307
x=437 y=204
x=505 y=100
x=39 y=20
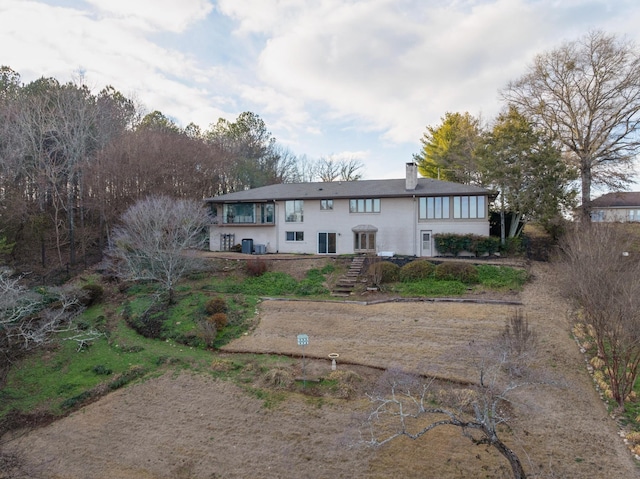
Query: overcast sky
x=358 y=79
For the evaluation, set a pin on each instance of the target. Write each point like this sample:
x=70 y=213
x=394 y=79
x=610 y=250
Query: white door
x=425 y=243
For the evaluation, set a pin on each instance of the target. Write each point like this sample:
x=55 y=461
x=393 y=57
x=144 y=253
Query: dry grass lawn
x=190 y=426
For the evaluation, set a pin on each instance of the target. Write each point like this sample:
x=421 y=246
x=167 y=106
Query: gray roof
x=350 y=189
x=618 y=199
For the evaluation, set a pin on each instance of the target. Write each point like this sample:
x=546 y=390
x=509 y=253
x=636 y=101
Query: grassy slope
x=61 y=378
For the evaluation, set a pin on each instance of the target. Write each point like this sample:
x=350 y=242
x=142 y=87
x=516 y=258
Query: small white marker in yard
x=303 y=340
x=333 y=357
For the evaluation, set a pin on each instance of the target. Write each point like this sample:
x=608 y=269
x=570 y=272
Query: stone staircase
x=345 y=285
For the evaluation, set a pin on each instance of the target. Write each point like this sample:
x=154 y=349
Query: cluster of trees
x=575 y=114
x=73 y=161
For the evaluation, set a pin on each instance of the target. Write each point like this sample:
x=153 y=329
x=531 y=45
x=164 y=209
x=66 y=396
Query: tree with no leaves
x=28 y=319
x=334 y=169
x=600 y=274
x=587 y=94
x=154 y=240
x=407 y=405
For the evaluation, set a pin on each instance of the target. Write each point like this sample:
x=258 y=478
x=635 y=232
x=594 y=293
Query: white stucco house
x=366 y=216
x=621 y=206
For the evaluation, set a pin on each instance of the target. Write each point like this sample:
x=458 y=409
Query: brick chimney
x=412 y=176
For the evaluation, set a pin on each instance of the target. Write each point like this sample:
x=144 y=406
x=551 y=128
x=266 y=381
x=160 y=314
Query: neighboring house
x=620 y=207
x=398 y=216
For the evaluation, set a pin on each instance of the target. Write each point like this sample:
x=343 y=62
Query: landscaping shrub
x=207 y=332
x=513 y=246
x=454 y=244
x=385 y=270
x=216 y=305
x=219 y=320
x=466 y=273
x=256 y=267
x=487 y=245
x=416 y=270
x=451 y=243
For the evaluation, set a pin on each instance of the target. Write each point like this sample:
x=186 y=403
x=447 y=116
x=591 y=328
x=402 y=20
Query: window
x=326 y=243
x=597 y=215
x=634 y=215
x=434 y=208
x=364 y=205
x=326 y=205
x=267 y=213
x=293 y=211
x=468 y=207
x=295 y=235
x=243 y=213
x=238 y=213
x=364 y=241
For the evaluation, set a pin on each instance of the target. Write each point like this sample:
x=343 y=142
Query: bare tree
x=600 y=274
x=587 y=94
x=306 y=170
x=331 y=169
x=155 y=238
x=28 y=319
x=409 y=405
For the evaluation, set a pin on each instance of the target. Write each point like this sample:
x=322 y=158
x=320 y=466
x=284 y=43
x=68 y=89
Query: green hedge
x=454 y=244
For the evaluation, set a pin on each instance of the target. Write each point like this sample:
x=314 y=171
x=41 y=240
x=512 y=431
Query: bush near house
x=387 y=271
x=454 y=244
x=416 y=270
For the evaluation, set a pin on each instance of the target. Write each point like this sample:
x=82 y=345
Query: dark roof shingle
x=350 y=189
x=619 y=199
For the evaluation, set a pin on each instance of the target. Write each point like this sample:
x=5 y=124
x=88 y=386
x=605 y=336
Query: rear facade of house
x=398 y=216
x=621 y=207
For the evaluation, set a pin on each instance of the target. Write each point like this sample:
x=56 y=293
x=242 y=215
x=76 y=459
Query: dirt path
x=189 y=426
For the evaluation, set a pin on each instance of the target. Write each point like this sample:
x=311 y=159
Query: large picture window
x=364 y=205
x=434 y=208
x=243 y=213
x=293 y=211
x=469 y=207
x=238 y=213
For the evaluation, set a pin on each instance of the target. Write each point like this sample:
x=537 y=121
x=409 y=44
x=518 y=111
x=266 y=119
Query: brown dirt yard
x=192 y=426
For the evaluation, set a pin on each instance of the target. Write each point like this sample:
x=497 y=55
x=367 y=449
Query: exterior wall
x=398 y=229
x=259 y=234
x=612 y=215
x=393 y=223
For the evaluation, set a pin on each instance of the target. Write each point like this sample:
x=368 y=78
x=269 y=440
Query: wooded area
x=73 y=161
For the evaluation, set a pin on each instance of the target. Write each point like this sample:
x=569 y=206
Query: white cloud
x=363 y=76
x=396 y=66
x=55 y=41
x=166 y=15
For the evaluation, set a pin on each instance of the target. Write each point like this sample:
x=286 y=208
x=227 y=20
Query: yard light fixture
x=333 y=357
